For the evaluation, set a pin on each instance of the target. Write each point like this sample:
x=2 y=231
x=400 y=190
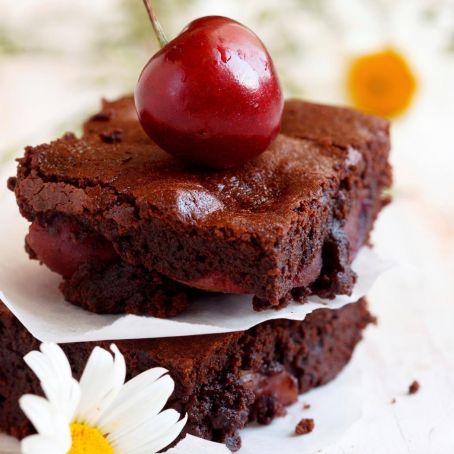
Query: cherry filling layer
x=357 y=224
x=281 y=386
x=63 y=246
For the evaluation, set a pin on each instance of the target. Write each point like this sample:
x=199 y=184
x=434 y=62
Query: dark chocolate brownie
x=222 y=381
x=116 y=287
x=285 y=224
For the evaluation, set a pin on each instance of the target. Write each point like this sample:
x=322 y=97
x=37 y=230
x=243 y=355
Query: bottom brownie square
x=223 y=381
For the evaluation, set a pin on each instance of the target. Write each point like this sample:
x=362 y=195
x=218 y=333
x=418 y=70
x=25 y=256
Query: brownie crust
x=284 y=225
x=222 y=381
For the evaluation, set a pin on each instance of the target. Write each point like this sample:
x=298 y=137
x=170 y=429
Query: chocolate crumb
x=306 y=406
x=305 y=426
x=114 y=136
x=101 y=116
x=393 y=400
x=414 y=387
x=11 y=183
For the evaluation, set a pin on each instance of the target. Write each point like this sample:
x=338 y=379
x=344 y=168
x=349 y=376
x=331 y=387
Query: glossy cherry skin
x=211 y=96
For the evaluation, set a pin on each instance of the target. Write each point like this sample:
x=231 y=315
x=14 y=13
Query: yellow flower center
x=88 y=440
x=381 y=83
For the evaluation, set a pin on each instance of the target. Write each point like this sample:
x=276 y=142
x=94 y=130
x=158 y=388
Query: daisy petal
x=119 y=366
x=45 y=419
x=151 y=436
x=38 y=444
x=38 y=411
x=139 y=382
x=58 y=359
x=150 y=429
x=163 y=438
x=100 y=384
x=54 y=373
x=52 y=359
x=135 y=404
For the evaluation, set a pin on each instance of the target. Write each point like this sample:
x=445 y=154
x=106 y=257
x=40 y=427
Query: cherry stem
x=155 y=23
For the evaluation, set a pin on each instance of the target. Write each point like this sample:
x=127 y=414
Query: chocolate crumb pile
x=414 y=387
x=305 y=426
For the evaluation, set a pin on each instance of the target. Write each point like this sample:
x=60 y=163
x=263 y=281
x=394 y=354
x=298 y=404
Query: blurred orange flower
x=381 y=83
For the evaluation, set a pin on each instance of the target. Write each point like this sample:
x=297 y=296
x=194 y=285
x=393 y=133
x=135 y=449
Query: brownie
x=223 y=381
x=285 y=225
x=117 y=287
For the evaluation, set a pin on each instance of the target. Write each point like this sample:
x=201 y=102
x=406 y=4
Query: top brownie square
x=282 y=226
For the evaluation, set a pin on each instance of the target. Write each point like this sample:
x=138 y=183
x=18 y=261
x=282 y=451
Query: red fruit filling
x=215 y=282
x=282 y=386
x=62 y=246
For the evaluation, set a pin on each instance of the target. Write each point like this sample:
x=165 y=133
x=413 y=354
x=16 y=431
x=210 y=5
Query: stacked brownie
x=223 y=381
x=131 y=229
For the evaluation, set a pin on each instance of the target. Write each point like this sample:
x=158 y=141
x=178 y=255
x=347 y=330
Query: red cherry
x=211 y=96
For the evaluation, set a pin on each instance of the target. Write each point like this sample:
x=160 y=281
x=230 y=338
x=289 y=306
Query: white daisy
x=101 y=414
